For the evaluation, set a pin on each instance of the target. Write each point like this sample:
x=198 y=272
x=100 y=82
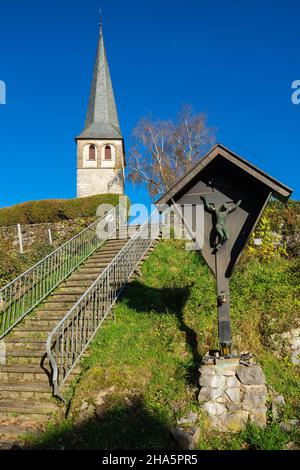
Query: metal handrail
x=20 y=296
x=71 y=336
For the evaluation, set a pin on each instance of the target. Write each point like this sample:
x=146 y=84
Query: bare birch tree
x=162 y=151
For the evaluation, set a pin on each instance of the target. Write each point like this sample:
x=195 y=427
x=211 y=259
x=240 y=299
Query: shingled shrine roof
x=279 y=190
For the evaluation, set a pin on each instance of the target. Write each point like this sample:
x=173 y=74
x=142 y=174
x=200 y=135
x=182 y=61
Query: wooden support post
x=223 y=300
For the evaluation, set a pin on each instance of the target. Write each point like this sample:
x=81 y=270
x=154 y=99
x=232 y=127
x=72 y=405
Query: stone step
x=27 y=407
x=28 y=391
x=101 y=257
x=23 y=422
x=84 y=277
x=36 y=324
x=74 y=284
x=54 y=298
x=29 y=334
x=45 y=325
x=117 y=240
x=48 y=316
x=28 y=329
x=108 y=249
x=96 y=264
x=25 y=345
x=52 y=310
x=42 y=322
x=24 y=353
x=66 y=305
x=25 y=360
x=111 y=247
x=13 y=434
x=28 y=387
x=97 y=270
x=77 y=290
x=105 y=253
x=65 y=297
x=31 y=359
x=108 y=252
x=23 y=374
x=24 y=339
x=93 y=269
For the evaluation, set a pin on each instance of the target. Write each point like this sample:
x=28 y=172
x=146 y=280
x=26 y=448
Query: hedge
x=54 y=210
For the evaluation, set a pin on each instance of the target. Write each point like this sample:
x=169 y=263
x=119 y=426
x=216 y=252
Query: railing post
x=20 y=239
x=50 y=236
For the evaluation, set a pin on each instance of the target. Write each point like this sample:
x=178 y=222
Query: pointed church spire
x=102 y=118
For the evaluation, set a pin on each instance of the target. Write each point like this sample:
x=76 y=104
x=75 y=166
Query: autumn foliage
x=163 y=151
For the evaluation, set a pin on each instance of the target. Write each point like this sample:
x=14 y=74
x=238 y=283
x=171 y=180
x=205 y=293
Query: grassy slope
x=150 y=355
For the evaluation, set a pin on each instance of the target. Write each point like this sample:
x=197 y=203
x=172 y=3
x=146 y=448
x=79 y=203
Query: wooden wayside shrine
x=234 y=193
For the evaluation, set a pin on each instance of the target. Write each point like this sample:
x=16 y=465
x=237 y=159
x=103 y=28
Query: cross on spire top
x=101 y=22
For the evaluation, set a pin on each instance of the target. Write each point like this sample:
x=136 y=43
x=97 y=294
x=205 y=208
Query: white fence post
x=20 y=238
x=50 y=236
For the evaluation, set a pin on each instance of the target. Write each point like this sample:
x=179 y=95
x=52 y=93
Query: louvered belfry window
x=92 y=152
x=107 y=153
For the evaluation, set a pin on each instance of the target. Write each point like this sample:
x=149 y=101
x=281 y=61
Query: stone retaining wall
x=32 y=233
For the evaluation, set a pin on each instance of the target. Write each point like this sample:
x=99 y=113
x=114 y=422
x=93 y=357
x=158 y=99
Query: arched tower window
x=107 y=153
x=92 y=152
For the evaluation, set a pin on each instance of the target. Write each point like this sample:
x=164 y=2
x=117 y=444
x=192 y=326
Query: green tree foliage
x=278 y=231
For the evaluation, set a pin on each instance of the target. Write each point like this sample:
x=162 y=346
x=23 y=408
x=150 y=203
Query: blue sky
x=234 y=60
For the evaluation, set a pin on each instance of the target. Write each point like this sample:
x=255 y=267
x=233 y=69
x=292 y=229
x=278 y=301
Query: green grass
x=146 y=363
x=252 y=438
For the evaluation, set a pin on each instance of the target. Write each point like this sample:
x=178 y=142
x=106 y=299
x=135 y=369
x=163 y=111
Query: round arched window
x=107 y=152
x=92 y=152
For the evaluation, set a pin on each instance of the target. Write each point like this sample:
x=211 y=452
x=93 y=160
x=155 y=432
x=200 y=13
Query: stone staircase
x=26 y=400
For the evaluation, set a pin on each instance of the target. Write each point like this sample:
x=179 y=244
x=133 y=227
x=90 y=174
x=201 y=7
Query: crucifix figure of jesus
x=221 y=218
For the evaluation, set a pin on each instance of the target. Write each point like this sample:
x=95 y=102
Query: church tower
x=100 y=146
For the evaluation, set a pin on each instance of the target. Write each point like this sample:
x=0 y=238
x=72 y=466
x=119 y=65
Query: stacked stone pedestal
x=232 y=393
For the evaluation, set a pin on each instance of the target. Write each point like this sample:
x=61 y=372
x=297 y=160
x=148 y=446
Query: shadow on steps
x=123 y=426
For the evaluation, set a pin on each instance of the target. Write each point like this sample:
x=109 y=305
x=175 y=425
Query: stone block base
x=232 y=393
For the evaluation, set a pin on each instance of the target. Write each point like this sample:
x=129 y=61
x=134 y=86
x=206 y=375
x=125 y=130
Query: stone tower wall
x=100 y=177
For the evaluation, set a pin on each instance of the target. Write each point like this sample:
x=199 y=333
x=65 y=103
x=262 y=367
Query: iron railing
x=24 y=293
x=69 y=339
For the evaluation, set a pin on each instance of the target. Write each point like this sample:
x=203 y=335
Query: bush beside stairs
x=26 y=399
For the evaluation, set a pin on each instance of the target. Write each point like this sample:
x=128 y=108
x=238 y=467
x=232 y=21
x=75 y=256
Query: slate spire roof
x=102 y=119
